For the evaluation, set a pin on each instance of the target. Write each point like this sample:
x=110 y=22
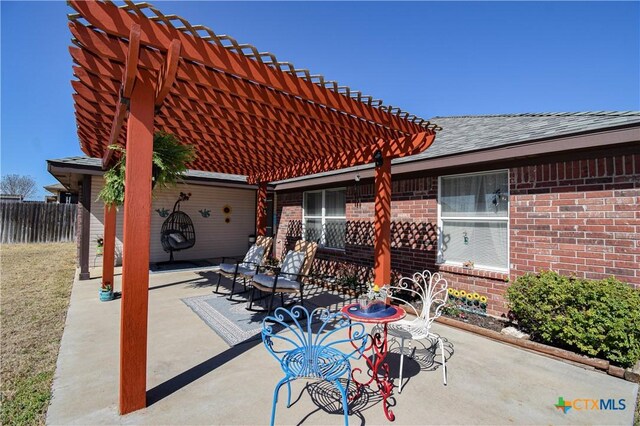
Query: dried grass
x=35 y=287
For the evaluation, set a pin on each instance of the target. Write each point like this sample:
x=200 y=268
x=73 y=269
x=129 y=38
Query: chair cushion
x=253 y=258
x=230 y=268
x=291 y=265
x=178 y=241
x=268 y=280
x=177 y=237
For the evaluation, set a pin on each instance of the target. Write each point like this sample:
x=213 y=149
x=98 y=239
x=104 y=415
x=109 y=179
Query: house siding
x=214 y=237
x=579 y=217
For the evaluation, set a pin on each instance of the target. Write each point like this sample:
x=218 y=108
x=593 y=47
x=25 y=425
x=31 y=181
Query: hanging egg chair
x=177 y=231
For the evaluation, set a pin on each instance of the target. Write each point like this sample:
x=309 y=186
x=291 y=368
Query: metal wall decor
x=162 y=212
x=205 y=212
x=226 y=210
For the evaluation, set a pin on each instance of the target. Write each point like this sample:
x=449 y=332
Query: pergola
x=243 y=111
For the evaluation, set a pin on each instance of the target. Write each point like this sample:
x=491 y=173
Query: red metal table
x=379 y=369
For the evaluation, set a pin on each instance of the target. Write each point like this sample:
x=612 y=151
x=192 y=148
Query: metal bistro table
x=380 y=314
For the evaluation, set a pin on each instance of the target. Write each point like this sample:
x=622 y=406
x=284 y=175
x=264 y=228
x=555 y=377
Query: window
x=324 y=217
x=473 y=223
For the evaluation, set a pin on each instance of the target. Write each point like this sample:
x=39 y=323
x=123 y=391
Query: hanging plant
x=170 y=159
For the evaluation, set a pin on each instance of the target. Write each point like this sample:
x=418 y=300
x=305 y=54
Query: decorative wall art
x=162 y=212
x=226 y=210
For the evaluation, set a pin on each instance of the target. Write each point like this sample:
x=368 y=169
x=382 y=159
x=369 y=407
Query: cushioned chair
x=247 y=267
x=289 y=277
x=423 y=296
x=304 y=354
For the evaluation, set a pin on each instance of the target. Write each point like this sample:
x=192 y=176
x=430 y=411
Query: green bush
x=596 y=318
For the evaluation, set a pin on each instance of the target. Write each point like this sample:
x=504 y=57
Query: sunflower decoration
x=463 y=293
x=227 y=213
x=475 y=296
x=456 y=293
x=450 y=291
x=483 y=299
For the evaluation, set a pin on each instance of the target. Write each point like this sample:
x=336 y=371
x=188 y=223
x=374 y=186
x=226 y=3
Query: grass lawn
x=36 y=285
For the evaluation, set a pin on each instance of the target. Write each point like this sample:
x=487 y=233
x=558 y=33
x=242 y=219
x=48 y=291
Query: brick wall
x=577 y=217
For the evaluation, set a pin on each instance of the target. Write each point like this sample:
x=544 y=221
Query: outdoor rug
x=230 y=320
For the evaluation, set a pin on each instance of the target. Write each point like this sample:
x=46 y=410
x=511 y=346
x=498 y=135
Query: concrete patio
x=194 y=377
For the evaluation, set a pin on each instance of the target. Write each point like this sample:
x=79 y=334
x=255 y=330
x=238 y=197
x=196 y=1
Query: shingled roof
x=466 y=133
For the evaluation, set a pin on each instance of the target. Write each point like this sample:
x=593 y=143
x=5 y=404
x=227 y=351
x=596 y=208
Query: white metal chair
x=423 y=295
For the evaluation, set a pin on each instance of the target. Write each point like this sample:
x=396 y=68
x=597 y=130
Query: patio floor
x=194 y=377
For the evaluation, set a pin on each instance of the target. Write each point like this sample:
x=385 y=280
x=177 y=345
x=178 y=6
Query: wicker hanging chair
x=177 y=231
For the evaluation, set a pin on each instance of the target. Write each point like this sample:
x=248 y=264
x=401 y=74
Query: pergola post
x=135 y=271
x=382 y=247
x=109 y=245
x=261 y=209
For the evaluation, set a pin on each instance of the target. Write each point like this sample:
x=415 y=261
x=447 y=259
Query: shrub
x=596 y=318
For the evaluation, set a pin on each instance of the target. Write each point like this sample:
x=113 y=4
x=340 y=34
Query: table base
x=379 y=347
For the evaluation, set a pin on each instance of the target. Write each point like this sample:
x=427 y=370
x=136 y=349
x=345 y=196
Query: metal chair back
x=306 y=348
x=424 y=295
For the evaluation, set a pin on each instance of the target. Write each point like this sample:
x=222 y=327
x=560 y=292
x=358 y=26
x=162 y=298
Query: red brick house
x=494 y=197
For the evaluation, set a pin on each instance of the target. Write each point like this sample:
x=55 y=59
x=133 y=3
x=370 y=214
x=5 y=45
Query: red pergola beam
x=228 y=147
x=202 y=103
x=195 y=78
x=261 y=209
x=109 y=248
x=394 y=149
x=118 y=22
x=382 y=224
x=135 y=261
x=167 y=75
x=122 y=106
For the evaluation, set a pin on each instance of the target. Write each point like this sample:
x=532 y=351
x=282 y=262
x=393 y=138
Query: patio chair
x=423 y=296
x=304 y=354
x=255 y=257
x=289 y=277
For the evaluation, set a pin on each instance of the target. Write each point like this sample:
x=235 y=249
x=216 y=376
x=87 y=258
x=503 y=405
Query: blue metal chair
x=305 y=354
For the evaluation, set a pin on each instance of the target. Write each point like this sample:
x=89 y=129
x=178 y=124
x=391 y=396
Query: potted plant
x=106 y=293
x=170 y=159
x=99 y=245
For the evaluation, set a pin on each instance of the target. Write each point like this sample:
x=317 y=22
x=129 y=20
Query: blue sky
x=429 y=58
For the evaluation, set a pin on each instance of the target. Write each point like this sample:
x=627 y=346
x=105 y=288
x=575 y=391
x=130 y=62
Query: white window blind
x=474 y=220
x=324 y=217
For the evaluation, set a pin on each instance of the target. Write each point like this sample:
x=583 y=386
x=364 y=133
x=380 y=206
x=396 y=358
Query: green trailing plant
x=596 y=318
x=170 y=159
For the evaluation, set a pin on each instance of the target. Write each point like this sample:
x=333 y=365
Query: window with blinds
x=473 y=220
x=324 y=217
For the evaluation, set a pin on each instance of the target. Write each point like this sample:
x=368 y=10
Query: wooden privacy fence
x=37 y=222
